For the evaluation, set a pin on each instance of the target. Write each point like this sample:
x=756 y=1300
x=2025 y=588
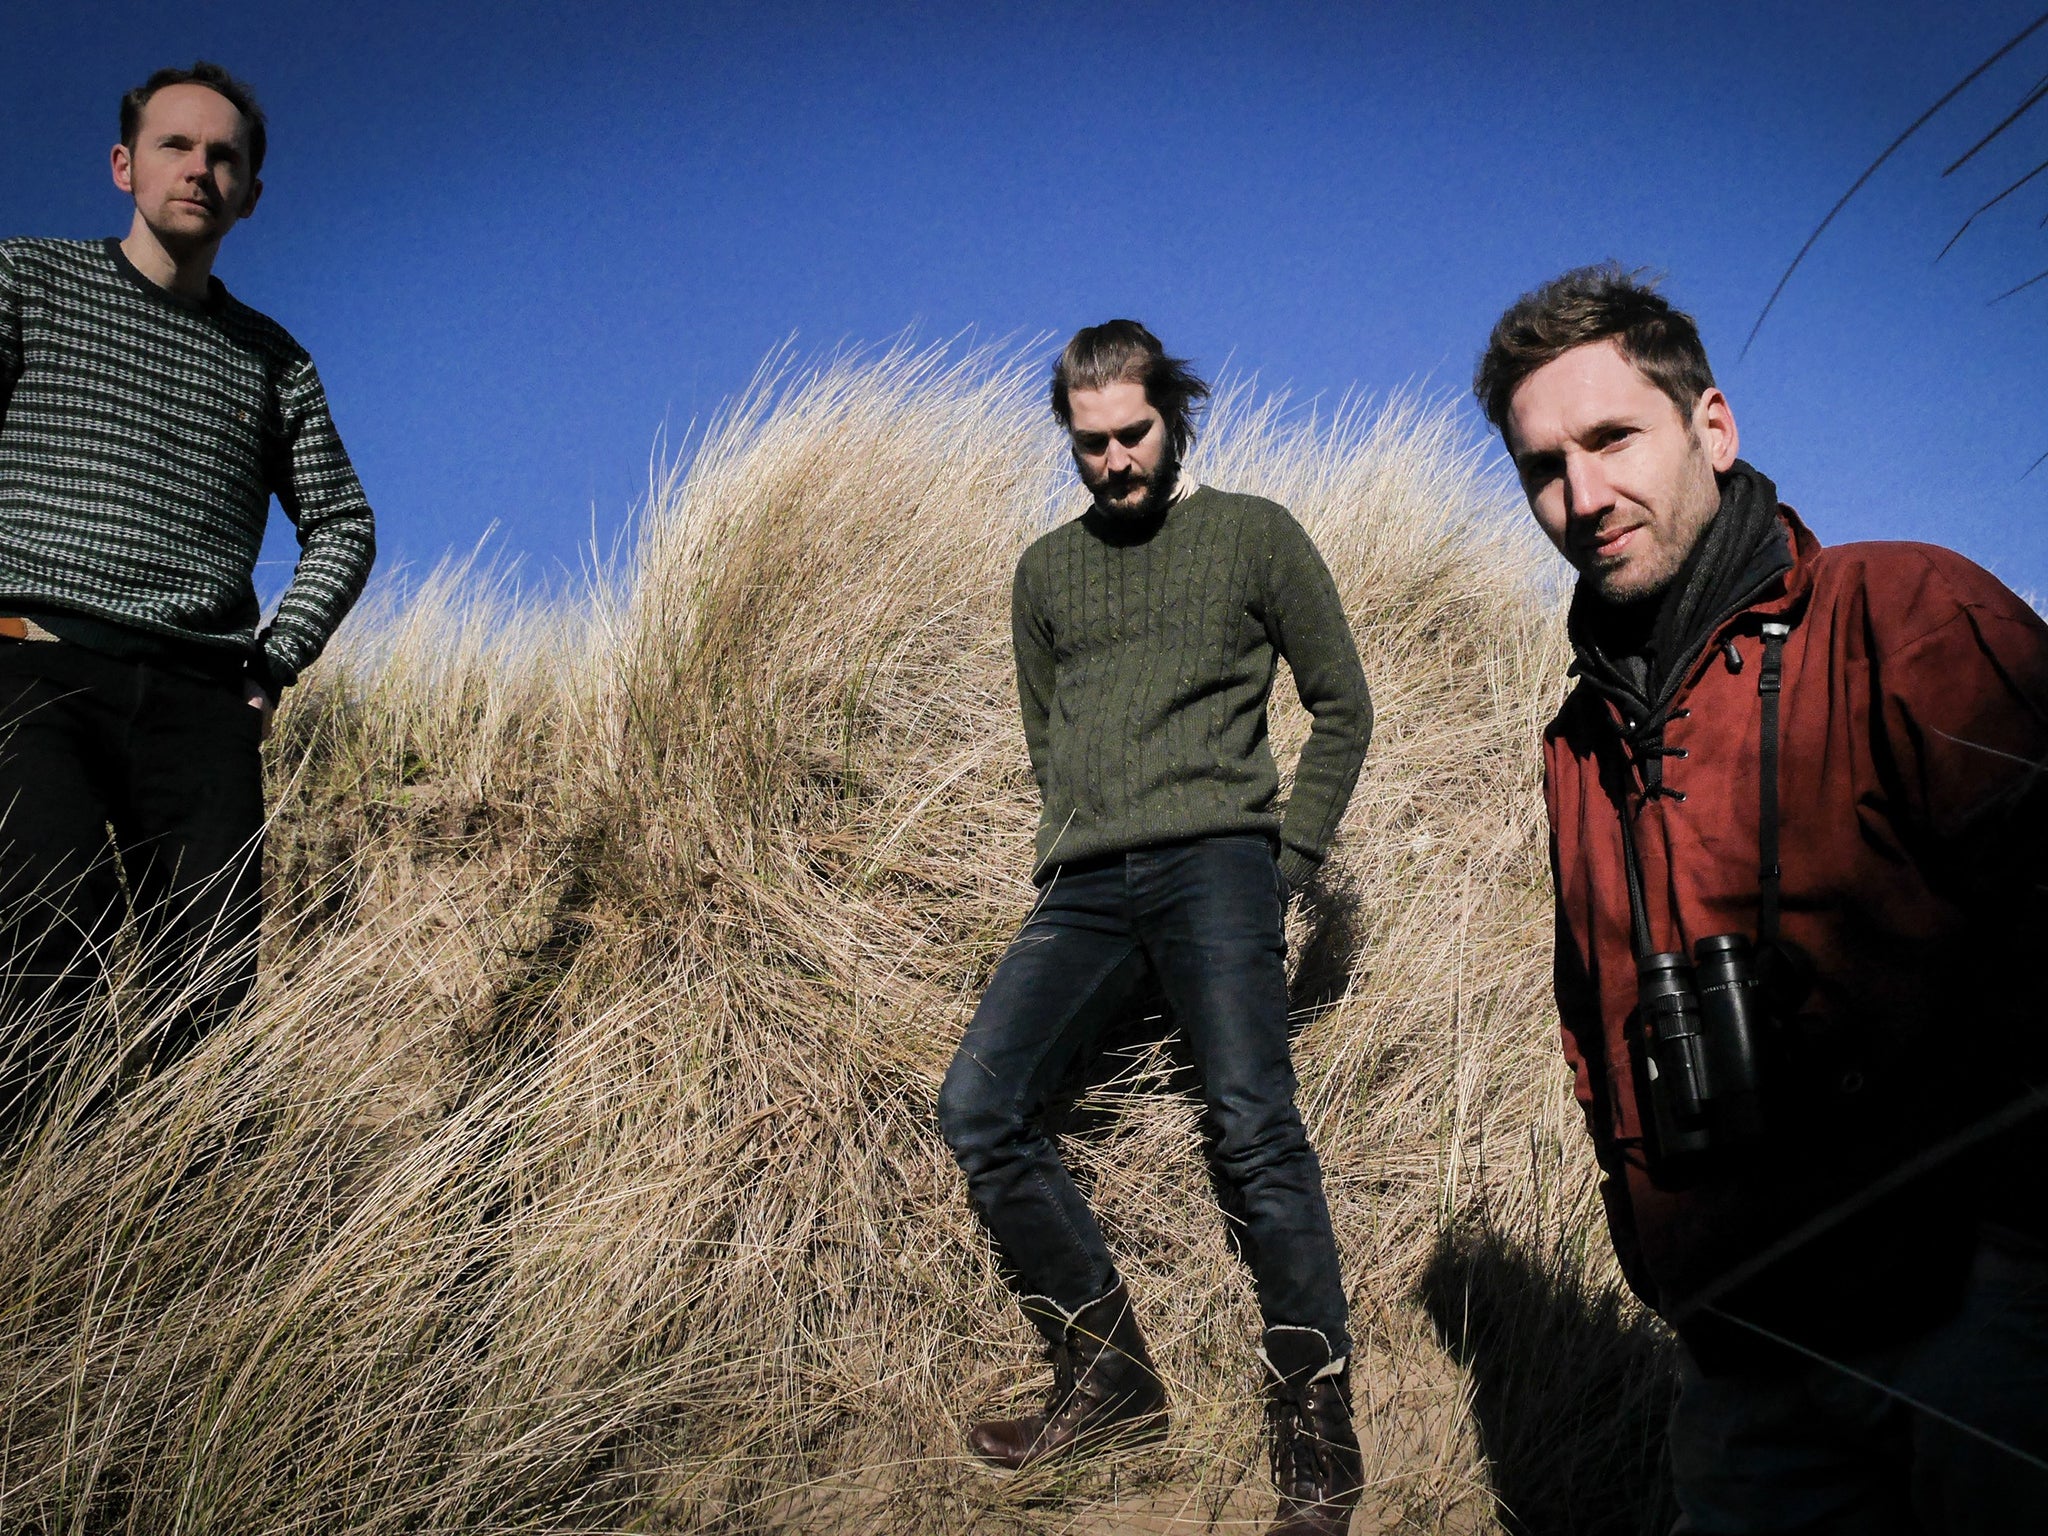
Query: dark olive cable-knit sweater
x=1145 y=655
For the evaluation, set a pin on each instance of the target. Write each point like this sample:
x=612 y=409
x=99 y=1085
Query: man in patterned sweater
x=146 y=419
x=1147 y=632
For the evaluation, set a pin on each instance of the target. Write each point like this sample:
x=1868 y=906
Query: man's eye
x=1090 y=442
x=1130 y=437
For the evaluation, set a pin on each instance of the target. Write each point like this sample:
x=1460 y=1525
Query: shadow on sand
x=1570 y=1385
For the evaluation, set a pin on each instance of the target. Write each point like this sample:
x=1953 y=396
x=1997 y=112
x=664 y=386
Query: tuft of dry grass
x=575 y=1167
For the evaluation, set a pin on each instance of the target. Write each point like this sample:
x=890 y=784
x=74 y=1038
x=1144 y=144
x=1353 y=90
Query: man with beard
x=146 y=420
x=1147 y=632
x=1798 y=826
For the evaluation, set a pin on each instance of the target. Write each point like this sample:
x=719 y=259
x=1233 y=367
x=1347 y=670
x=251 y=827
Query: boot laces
x=1062 y=1379
x=1302 y=1456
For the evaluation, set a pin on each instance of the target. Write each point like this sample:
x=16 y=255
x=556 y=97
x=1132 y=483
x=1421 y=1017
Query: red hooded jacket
x=1914 y=851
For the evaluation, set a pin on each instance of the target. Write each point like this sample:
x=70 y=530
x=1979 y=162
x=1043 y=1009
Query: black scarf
x=1637 y=653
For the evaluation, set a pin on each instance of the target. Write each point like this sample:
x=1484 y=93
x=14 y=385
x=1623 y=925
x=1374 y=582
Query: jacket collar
x=1786 y=604
x=1791 y=599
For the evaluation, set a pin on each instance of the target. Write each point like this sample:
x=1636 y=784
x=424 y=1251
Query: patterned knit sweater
x=141 y=439
x=1145 y=656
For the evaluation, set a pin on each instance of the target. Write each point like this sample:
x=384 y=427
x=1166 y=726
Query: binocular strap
x=1769 y=687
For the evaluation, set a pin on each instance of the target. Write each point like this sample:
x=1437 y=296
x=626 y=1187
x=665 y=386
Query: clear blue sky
x=519 y=239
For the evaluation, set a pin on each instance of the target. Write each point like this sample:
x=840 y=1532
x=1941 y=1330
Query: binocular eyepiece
x=1701 y=1022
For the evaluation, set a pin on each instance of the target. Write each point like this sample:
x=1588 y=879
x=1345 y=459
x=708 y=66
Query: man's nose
x=1117 y=457
x=1587 y=493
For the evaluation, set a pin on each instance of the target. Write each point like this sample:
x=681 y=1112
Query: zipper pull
x=1731 y=655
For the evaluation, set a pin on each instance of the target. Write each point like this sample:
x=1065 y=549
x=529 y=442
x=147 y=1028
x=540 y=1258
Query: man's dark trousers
x=170 y=759
x=1200 y=920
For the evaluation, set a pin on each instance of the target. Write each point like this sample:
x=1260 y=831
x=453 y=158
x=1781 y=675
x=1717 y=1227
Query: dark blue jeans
x=1200 y=921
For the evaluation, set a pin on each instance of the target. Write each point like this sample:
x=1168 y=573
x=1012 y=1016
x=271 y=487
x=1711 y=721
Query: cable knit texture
x=1145 y=655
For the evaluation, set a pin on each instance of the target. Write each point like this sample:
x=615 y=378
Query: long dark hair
x=1119 y=351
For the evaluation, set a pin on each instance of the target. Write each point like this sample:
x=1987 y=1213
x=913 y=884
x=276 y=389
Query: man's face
x=1120 y=448
x=189 y=170
x=1623 y=484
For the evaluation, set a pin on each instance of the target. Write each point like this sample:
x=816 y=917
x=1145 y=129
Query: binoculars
x=1701 y=1022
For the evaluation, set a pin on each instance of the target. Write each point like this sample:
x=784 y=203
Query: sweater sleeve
x=10 y=331
x=317 y=487
x=1032 y=642
x=1305 y=620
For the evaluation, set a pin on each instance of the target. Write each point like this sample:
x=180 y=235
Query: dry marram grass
x=575 y=1169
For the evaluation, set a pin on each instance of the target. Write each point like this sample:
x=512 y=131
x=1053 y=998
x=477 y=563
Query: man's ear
x=249 y=202
x=123 y=165
x=1713 y=423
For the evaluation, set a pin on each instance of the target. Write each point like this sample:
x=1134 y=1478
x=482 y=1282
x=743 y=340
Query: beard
x=1128 y=494
x=1667 y=542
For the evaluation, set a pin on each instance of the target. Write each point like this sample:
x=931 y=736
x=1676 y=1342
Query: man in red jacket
x=1799 y=837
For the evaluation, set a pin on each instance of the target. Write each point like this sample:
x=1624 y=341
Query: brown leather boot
x=1316 y=1463
x=1104 y=1386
